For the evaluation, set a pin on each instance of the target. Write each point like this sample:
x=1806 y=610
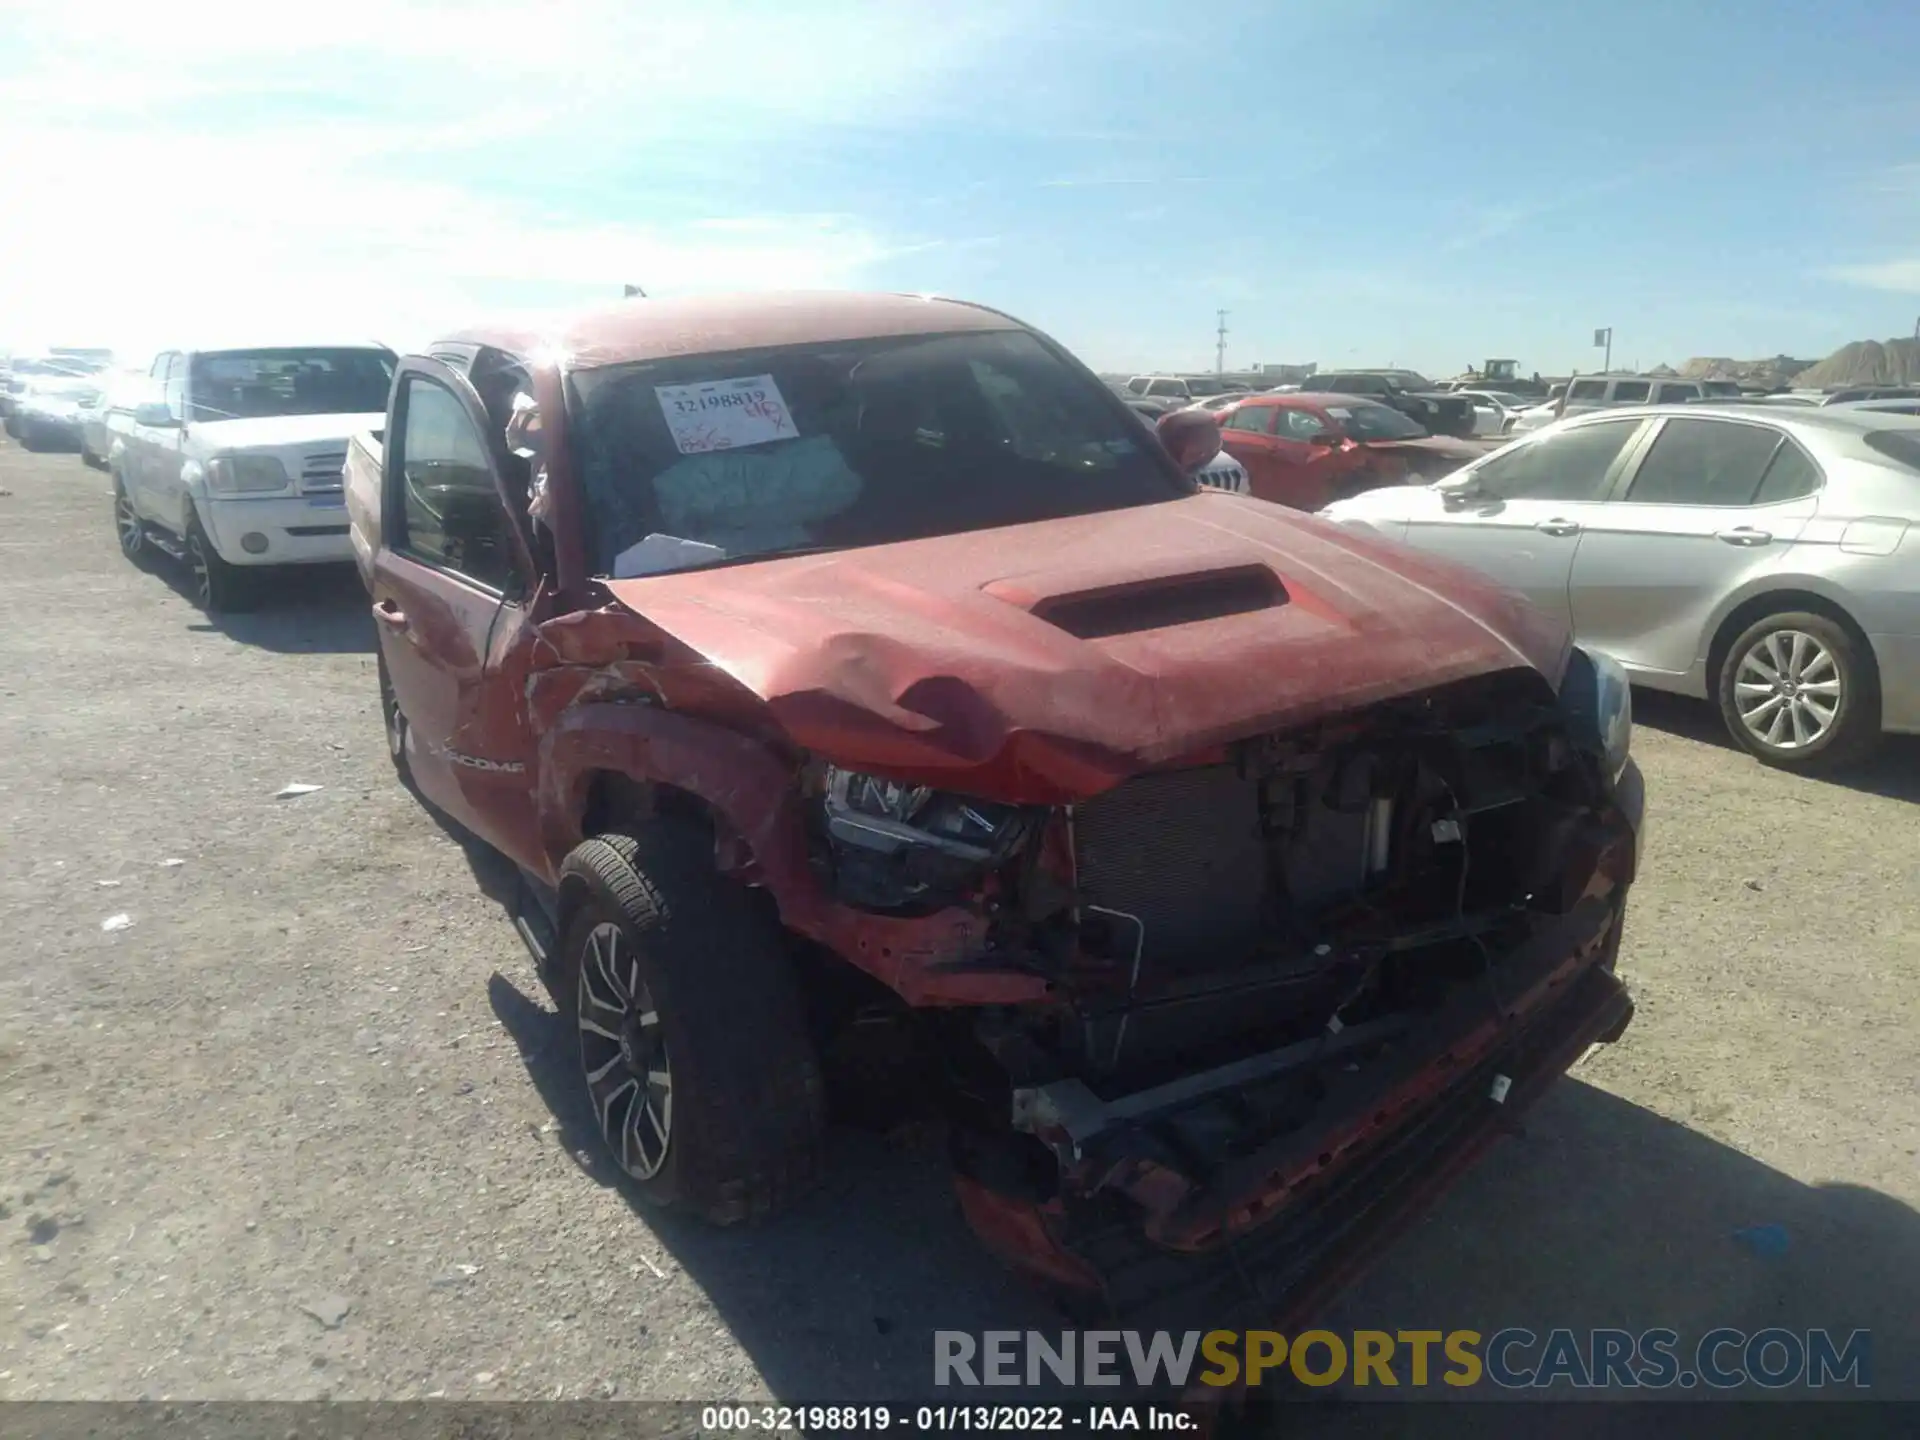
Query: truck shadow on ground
x=1893 y=770
x=301 y=610
x=1601 y=1214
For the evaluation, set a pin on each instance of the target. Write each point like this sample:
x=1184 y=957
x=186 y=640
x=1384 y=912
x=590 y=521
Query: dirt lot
x=302 y=1127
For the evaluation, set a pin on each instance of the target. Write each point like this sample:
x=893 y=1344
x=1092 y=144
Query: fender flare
x=750 y=791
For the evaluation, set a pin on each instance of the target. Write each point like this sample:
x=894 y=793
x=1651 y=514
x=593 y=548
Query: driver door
x=455 y=598
x=1519 y=514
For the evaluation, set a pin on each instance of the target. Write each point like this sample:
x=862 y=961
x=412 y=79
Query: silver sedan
x=1768 y=559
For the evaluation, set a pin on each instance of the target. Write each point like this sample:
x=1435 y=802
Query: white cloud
x=380 y=167
x=1901 y=276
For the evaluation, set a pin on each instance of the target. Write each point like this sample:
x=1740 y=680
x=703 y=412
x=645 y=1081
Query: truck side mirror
x=1192 y=438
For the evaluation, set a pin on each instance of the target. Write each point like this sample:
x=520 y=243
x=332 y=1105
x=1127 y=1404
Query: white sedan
x=1494 y=411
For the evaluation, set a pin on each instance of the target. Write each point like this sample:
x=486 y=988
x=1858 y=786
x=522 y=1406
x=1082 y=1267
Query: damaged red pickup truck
x=869 y=703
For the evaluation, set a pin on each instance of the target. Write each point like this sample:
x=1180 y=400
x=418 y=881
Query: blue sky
x=1365 y=181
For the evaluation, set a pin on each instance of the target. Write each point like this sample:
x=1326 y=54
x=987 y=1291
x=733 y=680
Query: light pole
x=1220 y=343
x=1605 y=337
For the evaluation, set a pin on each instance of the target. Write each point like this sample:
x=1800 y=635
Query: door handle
x=390 y=614
x=1744 y=535
x=1557 y=526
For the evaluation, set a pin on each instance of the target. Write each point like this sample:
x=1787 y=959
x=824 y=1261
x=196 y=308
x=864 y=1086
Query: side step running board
x=165 y=540
x=536 y=910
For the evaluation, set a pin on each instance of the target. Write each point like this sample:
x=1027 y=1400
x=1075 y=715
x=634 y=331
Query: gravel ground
x=302 y=1128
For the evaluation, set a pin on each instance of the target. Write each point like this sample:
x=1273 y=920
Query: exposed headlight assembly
x=898 y=844
x=246 y=475
x=1599 y=705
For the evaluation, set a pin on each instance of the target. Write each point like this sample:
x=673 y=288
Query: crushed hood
x=968 y=661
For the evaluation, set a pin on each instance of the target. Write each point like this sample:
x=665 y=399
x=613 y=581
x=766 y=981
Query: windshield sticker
x=1339 y=412
x=725 y=414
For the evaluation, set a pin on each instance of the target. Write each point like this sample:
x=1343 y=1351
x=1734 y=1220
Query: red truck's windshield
x=839 y=445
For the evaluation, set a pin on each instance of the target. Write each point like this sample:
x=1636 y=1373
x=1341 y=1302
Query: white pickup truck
x=234 y=462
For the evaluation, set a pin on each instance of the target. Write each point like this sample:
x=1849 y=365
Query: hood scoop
x=1161 y=604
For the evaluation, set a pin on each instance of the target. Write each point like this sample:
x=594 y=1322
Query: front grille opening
x=1163 y=604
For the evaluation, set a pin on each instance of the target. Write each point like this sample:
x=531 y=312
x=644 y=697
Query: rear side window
x=1251 y=420
x=1588 y=390
x=1677 y=394
x=1705 y=462
x=1900 y=446
x=1630 y=392
x=1791 y=476
x=1568 y=465
x=451 y=515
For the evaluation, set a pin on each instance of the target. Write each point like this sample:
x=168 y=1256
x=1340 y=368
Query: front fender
x=750 y=791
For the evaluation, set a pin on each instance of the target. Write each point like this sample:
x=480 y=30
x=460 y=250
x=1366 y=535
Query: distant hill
x=1780 y=370
x=1868 y=362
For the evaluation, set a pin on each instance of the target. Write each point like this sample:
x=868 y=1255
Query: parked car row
x=870 y=702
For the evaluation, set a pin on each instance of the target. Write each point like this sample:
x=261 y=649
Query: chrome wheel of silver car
x=1788 y=690
x=133 y=534
x=624 y=1053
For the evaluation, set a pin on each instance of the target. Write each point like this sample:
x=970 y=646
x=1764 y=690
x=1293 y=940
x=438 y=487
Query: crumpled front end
x=1291 y=987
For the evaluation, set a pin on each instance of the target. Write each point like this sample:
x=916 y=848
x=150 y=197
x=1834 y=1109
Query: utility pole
x=1220 y=343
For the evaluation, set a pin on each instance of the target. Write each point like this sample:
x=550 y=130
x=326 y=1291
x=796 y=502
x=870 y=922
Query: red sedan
x=1307 y=450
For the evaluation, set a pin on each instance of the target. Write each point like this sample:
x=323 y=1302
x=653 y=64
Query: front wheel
x=128 y=525
x=692 y=1038
x=220 y=588
x=1799 y=691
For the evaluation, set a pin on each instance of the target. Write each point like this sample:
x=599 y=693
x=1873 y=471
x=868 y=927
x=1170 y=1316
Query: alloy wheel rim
x=1787 y=690
x=202 y=572
x=623 y=1054
x=126 y=522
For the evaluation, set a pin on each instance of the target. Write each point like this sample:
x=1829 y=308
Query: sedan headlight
x=246 y=475
x=1599 y=705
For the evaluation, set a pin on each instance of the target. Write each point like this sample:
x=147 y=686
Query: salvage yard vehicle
x=232 y=463
x=43 y=394
x=1407 y=391
x=872 y=708
x=1760 y=557
x=1308 y=449
x=111 y=413
x=1605 y=392
x=48 y=410
x=1184 y=389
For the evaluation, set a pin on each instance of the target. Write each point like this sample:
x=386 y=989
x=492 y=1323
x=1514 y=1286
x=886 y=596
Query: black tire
x=395 y=721
x=219 y=588
x=1846 y=676
x=744 y=1100
x=132 y=531
x=89 y=459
